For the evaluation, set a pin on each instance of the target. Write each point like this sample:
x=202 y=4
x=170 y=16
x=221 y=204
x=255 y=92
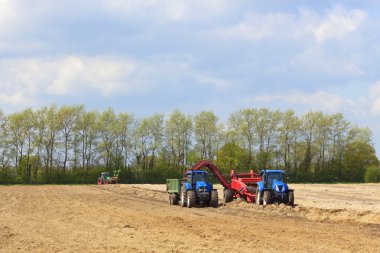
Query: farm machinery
x=194 y=189
x=272 y=188
x=106 y=178
x=264 y=188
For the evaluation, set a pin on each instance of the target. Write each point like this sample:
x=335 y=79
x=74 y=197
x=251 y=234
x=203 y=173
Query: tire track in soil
x=118 y=219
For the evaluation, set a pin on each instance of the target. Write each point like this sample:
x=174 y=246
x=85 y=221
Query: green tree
x=88 y=132
x=357 y=157
x=178 y=132
x=231 y=156
x=243 y=123
x=206 y=133
x=289 y=133
x=372 y=174
x=68 y=117
x=106 y=127
x=125 y=130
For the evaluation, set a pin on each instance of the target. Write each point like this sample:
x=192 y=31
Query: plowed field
x=138 y=218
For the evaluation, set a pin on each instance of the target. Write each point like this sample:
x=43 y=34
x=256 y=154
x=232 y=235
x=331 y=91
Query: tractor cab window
x=274 y=176
x=197 y=178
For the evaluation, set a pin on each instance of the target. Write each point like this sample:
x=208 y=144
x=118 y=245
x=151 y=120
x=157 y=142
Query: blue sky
x=156 y=56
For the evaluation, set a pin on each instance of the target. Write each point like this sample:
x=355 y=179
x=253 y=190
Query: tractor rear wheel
x=259 y=198
x=191 y=198
x=266 y=198
x=183 y=199
x=214 y=199
x=291 y=198
x=100 y=181
x=106 y=181
x=228 y=196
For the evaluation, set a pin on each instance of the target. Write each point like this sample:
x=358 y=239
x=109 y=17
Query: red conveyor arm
x=214 y=169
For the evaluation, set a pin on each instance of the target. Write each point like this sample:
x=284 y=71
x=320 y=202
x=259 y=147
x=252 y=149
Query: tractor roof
x=189 y=172
x=273 y=171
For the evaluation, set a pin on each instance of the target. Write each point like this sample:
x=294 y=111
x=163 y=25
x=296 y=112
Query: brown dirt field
x=354 y=203
x=131 y=218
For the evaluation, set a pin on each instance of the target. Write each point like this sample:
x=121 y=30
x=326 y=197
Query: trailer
x=173 y=187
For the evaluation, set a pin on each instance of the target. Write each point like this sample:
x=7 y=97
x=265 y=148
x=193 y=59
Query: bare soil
x=138 y=218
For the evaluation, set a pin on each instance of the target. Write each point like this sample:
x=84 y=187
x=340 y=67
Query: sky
x=156 y=56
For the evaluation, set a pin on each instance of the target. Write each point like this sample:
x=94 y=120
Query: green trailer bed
x=173 y=185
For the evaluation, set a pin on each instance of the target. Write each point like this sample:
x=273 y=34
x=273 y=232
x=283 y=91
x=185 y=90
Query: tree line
x=70 y=144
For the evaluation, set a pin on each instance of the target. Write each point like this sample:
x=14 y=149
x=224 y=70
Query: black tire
x=183 y=199
x=214 y=199
x=191 y=199
x=291 y=198
x=267 y=198
x=228 y=195
x=259 y=197
x=171 y=199
x=175 y=199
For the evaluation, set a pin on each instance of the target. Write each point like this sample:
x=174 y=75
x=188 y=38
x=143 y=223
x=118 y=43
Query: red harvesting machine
x=242 y=185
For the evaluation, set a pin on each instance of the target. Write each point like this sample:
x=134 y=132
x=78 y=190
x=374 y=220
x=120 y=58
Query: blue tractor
x=273 y=189
x=196 y=190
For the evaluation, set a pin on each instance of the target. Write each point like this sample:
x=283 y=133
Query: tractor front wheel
x=100 y=181
x=267 y=198
x=228 y=196
x=291 y=198
x=106 y=181
x=259 y=199
x=214 y=199
x=191 y=199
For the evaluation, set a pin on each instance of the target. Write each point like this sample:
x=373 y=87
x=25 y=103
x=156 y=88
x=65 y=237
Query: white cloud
x=171 y=10
x=257 y=26
x=375 y=97
x=51 y=78
x=18 y=99
x=65 y=76
x=338 y=23
x=316 y=60
x=375 y=89
x=319 y=100
x=376 y=107
x=218 y=83
x=7 y=15
x=366 y=104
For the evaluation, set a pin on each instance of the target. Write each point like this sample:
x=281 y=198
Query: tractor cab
x=105 y=175
x=198 y=180
x=196 y=176
x=273 y=178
